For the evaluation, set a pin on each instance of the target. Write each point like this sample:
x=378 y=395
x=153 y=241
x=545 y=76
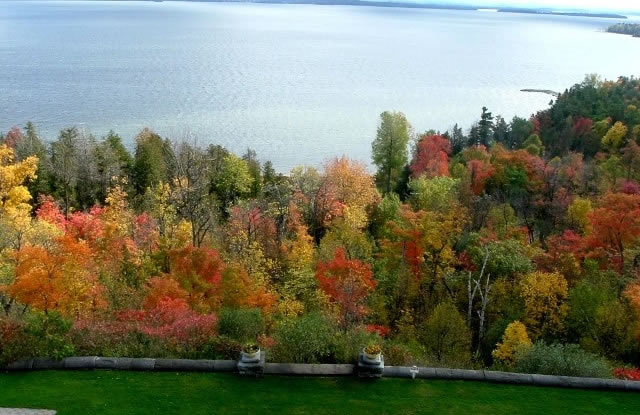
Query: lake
x=297 y=83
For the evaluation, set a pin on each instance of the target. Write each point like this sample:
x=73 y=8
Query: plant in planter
x=371 y=362
x=372 y=352
x=250 y=352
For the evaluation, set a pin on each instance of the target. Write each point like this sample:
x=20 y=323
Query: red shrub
x=626 y=373
x=382 y=331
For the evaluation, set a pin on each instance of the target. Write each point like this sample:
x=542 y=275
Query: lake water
x=297 y=83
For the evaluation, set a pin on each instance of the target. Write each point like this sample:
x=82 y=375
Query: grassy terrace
x=107 y=392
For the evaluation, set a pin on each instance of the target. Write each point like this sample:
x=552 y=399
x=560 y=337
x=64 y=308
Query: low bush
x=41 y=335
x=347 y=345
x=627 y=373
x=114 y=339
x=397 y=354
x=306 y=339
x=242 y=324
x=563 y=360
x=220 y=347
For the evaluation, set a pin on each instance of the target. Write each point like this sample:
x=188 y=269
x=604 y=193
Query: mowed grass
x=114 y=392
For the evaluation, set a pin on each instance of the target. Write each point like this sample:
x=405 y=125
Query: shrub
x=42 y=335
x=10 y=330
x=220 y=347
x=171 y=329
x=347 y=345
x=306 y=339
x=397 y=354
x=241 y=324
x=380 y=330
x=114 y=338
x=627 y=373
x=563 y=360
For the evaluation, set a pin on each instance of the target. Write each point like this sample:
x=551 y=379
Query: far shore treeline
x=632 y=29
x=513 y=244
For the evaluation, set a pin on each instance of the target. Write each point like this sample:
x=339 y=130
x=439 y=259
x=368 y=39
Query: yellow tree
x=515 y=338
x=545 y=296
x=351 y=187
x=615 y=136
x=14 y=197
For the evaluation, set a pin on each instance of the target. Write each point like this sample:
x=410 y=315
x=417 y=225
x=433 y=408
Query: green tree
x=31 y=145
x=520 y=130
x=64 y=161
x=255 y=171
x=485 y=127
x=437 y=194
x=150 y=163
x=232 y=182
x=389 y=149
x=446 y=335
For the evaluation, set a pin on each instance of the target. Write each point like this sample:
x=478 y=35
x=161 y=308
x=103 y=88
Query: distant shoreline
x=542 y=91
x=545 y=12
x=631 y=29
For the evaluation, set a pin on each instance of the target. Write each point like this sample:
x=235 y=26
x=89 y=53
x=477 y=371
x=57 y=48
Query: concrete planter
x=370 y=368
x=250 y=357
x=253 y=366
x=373 y=359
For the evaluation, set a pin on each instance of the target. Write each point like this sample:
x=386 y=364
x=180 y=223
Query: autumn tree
x=615 y=226
x=515 y=338
x=199 y=270
x=614 y=138
x=58 y=279
x=431 y=156
x=14 y=197
x=389 y=149
x=348 y=283
x=422 y=243
x=544 y=296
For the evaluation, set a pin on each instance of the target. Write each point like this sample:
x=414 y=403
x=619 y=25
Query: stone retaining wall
x=296 y=369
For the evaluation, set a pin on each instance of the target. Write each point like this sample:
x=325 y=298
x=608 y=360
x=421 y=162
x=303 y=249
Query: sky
x=626 y=5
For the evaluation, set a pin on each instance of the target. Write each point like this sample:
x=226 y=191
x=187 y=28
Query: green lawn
x=113 y=392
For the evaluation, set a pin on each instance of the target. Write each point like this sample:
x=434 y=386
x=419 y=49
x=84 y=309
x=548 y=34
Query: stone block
x=427 y=373
x=80 y=362
x=119 y=363
x=225 y=365
x=462 y=374
x=507 y=377
x=301 y=369
x=632 y=385
x=143 y=364
x=586 y=383
x=46 y=364
x=547 y=380
x=26 y=364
